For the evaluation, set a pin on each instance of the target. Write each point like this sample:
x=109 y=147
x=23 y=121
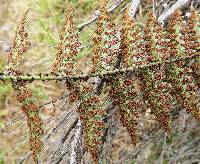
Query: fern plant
x=29 y=106
x=140 y=68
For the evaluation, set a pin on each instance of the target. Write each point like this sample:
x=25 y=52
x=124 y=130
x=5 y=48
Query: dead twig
x=178 y=5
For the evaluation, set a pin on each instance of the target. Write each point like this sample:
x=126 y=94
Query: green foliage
x=2 y=154
x=5 y=88
x=39 y=93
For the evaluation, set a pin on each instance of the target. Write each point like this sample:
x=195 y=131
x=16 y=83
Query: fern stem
x=49 y=77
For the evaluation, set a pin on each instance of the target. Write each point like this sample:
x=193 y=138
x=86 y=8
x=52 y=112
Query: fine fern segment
x=159 y=99
x=29 y=106
x=181 y=78
x=106 y=42
x=157 y=96
x=191 y=34
x=126 y=97
x=131 y=42
x=123 y=92
x=20 y=45
x=68 y=47
x=92 y=114
x=191 y=38
x=174 y=34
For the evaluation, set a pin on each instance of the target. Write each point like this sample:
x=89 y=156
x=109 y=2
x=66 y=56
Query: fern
x=140 y=69
x=29 y=106
x=106 y=42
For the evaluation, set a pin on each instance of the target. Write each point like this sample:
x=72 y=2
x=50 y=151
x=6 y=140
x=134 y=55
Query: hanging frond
x=181 y=78
x=91 y=113
x=126 y=97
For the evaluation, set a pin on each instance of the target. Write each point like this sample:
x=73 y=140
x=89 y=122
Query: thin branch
x=178 y=5
x=55 y=129
x=6 y=125
x=97 y=14
x=22 y=159
x=75 y=153
x=163 y=149
x=154 y=8
x=134 y=7
x=62 y=150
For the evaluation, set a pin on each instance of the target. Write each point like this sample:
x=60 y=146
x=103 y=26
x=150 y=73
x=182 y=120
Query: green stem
x=48 y=77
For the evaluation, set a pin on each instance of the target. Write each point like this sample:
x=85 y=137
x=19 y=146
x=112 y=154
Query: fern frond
x=21 y=43
x=68 y=47
x=29 y=106
x=131 y=42
x=191 y=38
x=181 y=78
x=34 y=121
x=126 y=97
x=158 y=97
x=106 y=42
x=92 y=114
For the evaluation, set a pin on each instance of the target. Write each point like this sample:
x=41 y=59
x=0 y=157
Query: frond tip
x=21 y=43
x=68 y=47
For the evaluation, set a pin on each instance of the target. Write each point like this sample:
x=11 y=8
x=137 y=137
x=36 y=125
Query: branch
x=6 y=125
x=64 y=146
x=97 y=14
x=75 y=152
x=178 y=5
x=134 y=7
x=55 y=129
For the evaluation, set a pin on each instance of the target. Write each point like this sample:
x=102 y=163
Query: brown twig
x=178 y=5
x=6 y=125
x=97 y=14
